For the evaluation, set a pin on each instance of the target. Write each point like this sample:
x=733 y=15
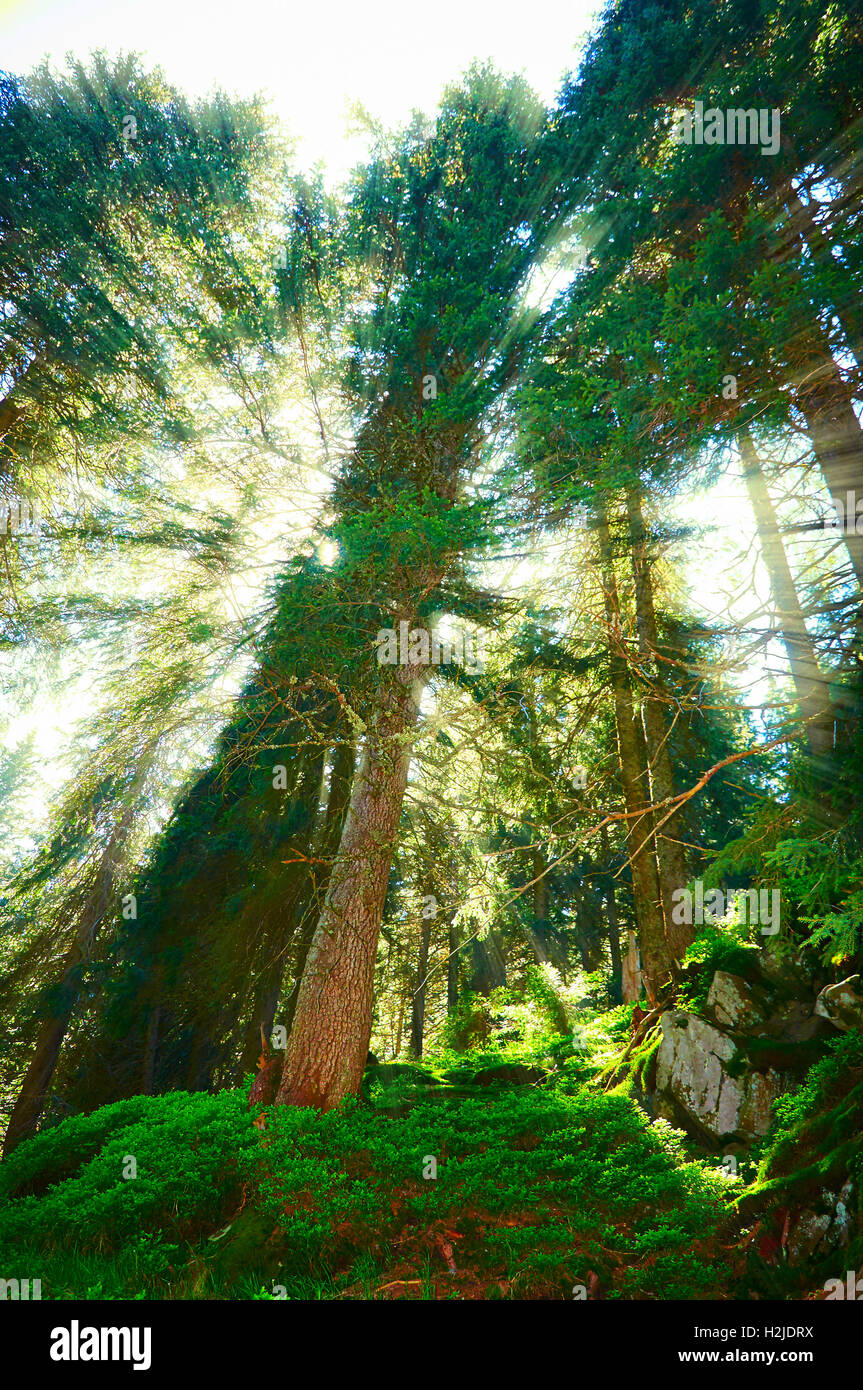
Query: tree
x=446 y=224
x=120 y=207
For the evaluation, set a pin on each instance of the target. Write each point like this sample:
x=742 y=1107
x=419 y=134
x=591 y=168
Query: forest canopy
x=431 y=667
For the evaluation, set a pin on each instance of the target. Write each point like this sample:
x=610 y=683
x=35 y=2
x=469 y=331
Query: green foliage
x=593 y=1160
x=811 y=1155
x=144 y=339
x=536 y=1187
x=541 y=990
x=97 y=162
x=58 y=1152
x=69 y=1180
x=820 y=1122
x=821 y=875
x=717 y=946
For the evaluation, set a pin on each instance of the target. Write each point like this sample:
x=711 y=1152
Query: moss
x=770 y=1053
x=636 y=1075
x=817 y=1138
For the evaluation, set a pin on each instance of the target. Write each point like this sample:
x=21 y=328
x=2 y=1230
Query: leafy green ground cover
x=539 y=1189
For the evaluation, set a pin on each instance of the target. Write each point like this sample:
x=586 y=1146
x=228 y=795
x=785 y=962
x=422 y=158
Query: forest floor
x=505 y=1177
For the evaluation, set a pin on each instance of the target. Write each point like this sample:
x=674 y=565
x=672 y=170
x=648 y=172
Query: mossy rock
x=247 y=1243
x=816 y=1145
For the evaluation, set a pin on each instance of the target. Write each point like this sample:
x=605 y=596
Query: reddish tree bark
x=329 y=1039
x=671 y=858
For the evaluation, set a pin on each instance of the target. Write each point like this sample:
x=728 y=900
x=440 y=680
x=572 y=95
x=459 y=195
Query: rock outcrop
x=706 y=1083
x=819 y=1232
x=717 y=1075
x=842 y=1004
x=756 y=1010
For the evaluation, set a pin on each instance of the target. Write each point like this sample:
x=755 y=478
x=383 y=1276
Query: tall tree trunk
x=341 y=782
x=537 y=945
x=400 y=1023
x=452 y=965
x=488 y=968
x=269 y=983
x=418 y=1000
x=820 y=392
x=825 y=401
x=631 y=971
x=671 y=858
x=655 y=953
x=329 y=1040
x=540 y=892
x=580 y=939
x=281 y=923
x=614 y=946
x=846 y=303
x=12 y=409
x=96 y=905
x=813 y=695
x=545 y=942
x=269 y=926
x=613 y=929
x=149 y=1068
x=30 y=1103
x=838 y=444
x=588 y=930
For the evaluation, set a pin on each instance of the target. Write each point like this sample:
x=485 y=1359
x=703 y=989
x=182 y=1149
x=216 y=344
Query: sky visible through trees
x=431 y=518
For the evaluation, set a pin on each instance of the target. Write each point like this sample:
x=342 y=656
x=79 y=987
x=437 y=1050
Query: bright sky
x=312 y=57
x=313 y=60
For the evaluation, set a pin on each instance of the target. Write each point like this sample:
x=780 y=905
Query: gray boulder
x=841 y=1004
x=705 y=1082
x=761 y=1012
x=735 y=1003
x=818 y=1232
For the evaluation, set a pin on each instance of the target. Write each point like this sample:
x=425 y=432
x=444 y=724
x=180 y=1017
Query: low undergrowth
x=492 y=1174
x=476 y=1191
x=815 y=1148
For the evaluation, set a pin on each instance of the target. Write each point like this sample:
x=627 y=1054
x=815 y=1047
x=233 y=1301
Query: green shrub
x=821 y=1117
x=534 y=1187
x=717 y=946
x=342 y=1179
x=58 y=1152
x=68 y=1182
